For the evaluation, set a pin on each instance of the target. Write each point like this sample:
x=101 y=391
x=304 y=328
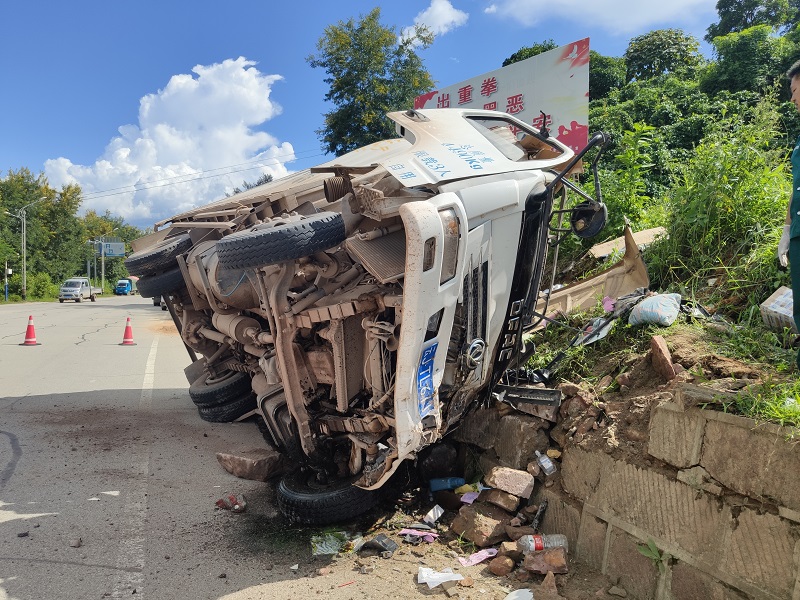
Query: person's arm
x=783 y=244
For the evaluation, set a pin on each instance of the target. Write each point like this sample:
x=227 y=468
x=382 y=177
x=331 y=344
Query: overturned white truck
x=363 y=307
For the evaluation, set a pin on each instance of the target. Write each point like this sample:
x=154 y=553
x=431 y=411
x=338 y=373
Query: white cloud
x=491 y=9
x=440 y=17
x=615 y=16
x=196 y=139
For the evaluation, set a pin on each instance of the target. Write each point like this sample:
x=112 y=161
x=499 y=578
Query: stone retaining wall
x=723 y=503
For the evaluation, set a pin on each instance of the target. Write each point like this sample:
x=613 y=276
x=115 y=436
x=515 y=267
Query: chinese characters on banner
x=550 y=89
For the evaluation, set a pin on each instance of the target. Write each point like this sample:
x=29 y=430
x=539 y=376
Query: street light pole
x=22 y=216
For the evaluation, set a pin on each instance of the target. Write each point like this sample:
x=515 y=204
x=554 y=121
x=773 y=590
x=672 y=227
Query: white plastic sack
x=661 y=309
x=434 y=578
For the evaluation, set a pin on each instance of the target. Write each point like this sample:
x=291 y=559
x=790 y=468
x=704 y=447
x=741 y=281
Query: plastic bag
x=434 y=578
x=661 y=309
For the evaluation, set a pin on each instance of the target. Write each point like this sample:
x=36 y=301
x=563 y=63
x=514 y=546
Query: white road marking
x=130 y=556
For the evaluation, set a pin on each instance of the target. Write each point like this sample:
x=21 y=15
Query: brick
x=482 y=524
x=513 y=481
x=581 y=471
x=689 y=583
x=636 y=573
x=517 y=437
x=501 y=565
x=666 y=509
x=760 y=551
x=591 y=545
x=752 y=460
x=552 y=560
x=510 y=549
x=504 y=500
x=661 y=358
x=675 y=436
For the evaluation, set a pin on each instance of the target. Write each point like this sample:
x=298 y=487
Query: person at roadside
x=789 y=245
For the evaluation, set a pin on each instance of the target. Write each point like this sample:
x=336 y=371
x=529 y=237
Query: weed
x=651 y=551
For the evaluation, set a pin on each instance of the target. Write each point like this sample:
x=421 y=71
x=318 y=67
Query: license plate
x=425 y=388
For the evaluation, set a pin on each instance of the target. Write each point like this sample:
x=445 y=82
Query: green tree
x=370 y=71
x=753 y=59
x=738 y=15
x=247 y=185
x=529 y=51
x=661 y=51
x=606 y=73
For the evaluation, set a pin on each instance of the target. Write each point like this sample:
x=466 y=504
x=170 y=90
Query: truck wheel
x=283 y=241
x=218 y=390
x=158 y=258
x=304 y=501
x=93 y=298
x=225 y=413
x=79 y=299
x=61 y=301
x=161 y=284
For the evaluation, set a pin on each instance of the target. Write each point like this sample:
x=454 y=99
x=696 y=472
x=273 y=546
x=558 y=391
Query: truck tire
x=79 y=299
x=225 y=413
x=283 y=241
x=61 y=301
x=93 y=297
x=304 y=502
x=215 y=391
x=158 y=258
x=161 y=284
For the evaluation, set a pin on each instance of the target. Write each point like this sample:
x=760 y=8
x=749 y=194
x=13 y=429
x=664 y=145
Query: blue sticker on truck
x=425 y=388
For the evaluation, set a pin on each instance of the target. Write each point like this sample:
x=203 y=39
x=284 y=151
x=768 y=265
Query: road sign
x=111 y=249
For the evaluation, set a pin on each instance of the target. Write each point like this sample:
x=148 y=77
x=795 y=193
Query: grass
x=776 y=399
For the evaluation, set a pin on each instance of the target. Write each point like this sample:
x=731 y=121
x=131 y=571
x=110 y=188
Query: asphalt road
x=100 y=442
x=109 y=478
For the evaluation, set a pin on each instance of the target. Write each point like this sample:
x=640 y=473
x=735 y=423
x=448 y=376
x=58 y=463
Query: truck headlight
x=452 y=234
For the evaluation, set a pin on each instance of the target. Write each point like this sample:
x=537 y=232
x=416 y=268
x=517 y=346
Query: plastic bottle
x=536 y=542
x=547 y=465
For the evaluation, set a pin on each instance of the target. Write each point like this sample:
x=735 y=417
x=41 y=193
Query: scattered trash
x=791 y=403
x=76 y=543
x=477 y=557
x=537 y=542
x=333 y=542
x=23 y=534
x=346 y=583
x=470 y=497
x=366 y=569
x=433 y=514
x=661 y=309
x=232 y=503
x=545 y=463
x=384 y=543
x=434 y=578
x=608 y=304
x=294 y=567
x=520 y=595
x=445 y=483
x=413 y=536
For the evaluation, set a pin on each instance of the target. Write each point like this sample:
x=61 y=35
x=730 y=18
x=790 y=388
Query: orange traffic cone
x=127 y=338
x=30 y=334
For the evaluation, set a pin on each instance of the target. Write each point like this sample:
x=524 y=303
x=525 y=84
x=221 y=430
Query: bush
x=41 y=286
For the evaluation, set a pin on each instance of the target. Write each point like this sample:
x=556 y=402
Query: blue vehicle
x=125 y=287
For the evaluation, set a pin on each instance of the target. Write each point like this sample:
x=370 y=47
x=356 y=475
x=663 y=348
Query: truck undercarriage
x=363 y=307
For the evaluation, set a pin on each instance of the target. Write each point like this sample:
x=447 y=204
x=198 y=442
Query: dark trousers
x=794 y=270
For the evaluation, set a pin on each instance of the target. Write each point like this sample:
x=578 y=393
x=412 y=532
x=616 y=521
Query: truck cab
x=77 y=289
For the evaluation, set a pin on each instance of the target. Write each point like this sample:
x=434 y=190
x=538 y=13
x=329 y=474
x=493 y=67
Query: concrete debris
x=544 y=561
x=258 y=464
x=501 y=566
x=504 y=500
x=661 y=358
x=76 y=543
x=617 y=591
x=482 y=524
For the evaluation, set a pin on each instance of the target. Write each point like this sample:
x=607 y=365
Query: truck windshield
x=72 y=284
x=514 y=142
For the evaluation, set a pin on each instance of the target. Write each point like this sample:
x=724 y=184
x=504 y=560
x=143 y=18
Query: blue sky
x=157 y=107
